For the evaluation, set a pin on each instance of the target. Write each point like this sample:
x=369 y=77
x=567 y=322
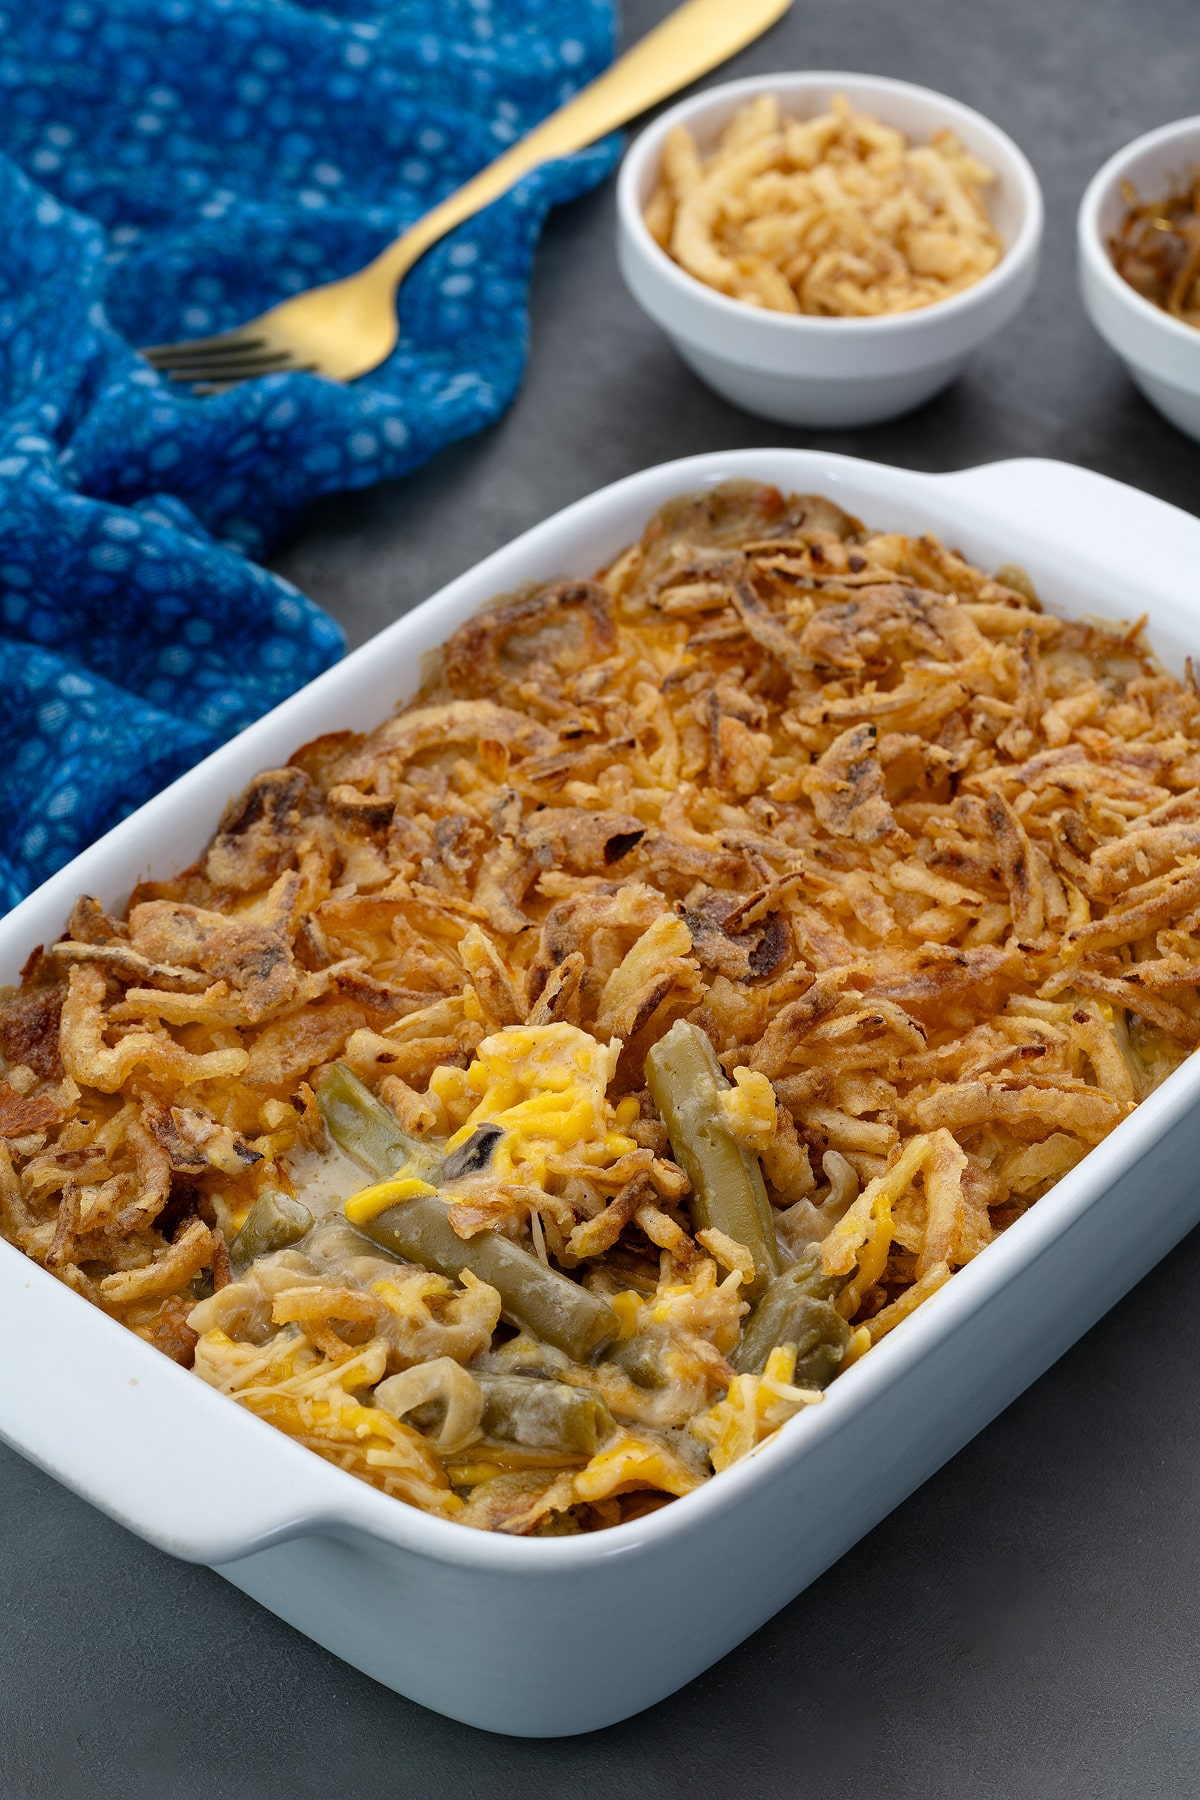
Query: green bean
x=642 y=1359
x=538 y=1299
x=336 y=1242
x=363 y=1127
x=797 y=1309
x=728 y=1193
x=544 y=1415
x=273 y=1222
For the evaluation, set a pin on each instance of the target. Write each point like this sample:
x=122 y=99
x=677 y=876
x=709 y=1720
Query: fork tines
x=218 y=362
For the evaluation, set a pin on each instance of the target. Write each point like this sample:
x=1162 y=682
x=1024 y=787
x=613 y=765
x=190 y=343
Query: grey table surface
x=1026 y=1625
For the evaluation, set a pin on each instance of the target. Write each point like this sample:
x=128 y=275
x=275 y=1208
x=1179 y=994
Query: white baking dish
x=550 y=1637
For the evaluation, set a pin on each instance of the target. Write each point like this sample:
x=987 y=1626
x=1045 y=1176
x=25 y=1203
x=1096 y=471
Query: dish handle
x=144 y=1440
x=1095 y=521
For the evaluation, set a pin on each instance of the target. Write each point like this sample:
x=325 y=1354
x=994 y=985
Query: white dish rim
x=329 y=1501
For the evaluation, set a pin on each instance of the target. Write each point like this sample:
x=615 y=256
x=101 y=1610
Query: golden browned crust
x=921 y=855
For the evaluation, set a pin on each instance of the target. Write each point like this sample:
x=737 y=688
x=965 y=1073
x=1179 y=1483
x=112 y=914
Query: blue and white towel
x=168 y=168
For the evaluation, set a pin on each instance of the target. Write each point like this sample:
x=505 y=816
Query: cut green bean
x=538 y=1299
x=274 y=1222
x=797 y=1309
x=543 y=1415
x=728 y=1192
x=642 y=1359
x=362 y=1126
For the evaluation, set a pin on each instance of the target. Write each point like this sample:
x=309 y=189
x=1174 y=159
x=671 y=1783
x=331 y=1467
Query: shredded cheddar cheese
x=545 y=1087
x=361 y=1208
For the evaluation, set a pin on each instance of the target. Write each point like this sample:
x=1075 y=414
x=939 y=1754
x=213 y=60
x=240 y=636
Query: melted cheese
x=370 y=1202
x=323 y=1179
x=748 y=1109
x=544 y=1086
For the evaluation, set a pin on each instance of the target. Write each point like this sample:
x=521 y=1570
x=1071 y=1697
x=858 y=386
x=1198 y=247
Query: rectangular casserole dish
x=548 y=1637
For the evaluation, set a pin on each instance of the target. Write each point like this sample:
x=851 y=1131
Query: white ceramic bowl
x=1161 y=353
x=544 y=1637
x=818 y=371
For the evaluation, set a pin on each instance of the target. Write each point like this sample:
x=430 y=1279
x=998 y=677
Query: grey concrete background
x=1026 y=1626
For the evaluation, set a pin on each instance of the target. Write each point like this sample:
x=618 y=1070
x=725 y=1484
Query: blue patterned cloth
x=168 y=168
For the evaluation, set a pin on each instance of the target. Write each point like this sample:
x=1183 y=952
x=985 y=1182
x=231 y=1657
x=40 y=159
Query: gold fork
x=344 y=328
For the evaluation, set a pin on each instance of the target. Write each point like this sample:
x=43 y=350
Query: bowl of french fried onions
x=827 y=249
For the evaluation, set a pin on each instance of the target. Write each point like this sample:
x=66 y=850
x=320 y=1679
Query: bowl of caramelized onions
x=1139 y=265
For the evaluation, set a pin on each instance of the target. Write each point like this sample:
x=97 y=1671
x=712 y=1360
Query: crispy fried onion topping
x=919 y=859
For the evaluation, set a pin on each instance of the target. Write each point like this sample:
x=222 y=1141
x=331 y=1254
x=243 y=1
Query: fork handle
x=695 y=38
